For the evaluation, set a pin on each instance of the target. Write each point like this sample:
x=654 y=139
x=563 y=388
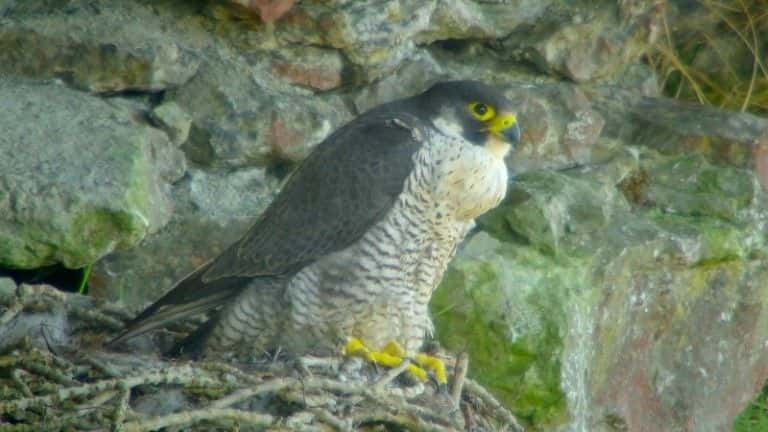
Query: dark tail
x=190 y=296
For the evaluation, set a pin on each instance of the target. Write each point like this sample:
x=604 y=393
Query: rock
x=676 y=127
x=221 y=197
x=605 y=304
x=760 y=156
x=690 y=185
x=502 y=304
x=561 y=128
x=548 y=208
x=7 y=290
x=79 y=182
x=641 y=79
x=88 y=45
x=268 y=10
x=174 y=121
x=582 y=44
x=313 y=68
x=239 y=121
x=409 y=80
x=449 y=60
x=212 y=211
x=466 y=19
x=378 y=43
x=687 y=341
x=300 y=123
x=587 y=44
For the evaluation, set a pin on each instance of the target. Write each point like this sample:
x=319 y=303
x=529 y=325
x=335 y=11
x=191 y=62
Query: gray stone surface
x=174 y=121
x=599 y=304
x=377 y=43
x=80 y=176
x=564 y=129
x=241 y=118
x=211 y=211
x=95 y=46
x=628 y=255
x=310 y=67
x=663 y=122
x=7 y=289
x=588 y=41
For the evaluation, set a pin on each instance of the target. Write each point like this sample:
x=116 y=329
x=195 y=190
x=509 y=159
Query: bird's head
x=473 y=110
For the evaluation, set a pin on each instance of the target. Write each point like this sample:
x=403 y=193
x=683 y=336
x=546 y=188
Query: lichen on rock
x=619 y=287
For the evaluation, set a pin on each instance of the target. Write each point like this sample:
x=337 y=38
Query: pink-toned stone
x=315 y=77
x=283 y=141
x=268 y=10
x=684 y=361
x=760 y=156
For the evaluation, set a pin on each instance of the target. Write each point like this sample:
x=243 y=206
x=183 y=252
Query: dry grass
x=716 y=54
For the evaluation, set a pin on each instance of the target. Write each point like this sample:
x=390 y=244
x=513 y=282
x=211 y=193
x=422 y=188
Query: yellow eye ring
x=481 y=111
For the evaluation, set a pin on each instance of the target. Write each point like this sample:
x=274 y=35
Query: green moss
x=711 y=240
x=138 y=195
x=690 y=185
x=14 y=254
x=510 y=304
x=506 y=305
x=555 y=212
x=754 y=418
x=95 y=231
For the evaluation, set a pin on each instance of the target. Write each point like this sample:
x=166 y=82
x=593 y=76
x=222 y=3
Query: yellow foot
x=392 y=355
x=435 y=364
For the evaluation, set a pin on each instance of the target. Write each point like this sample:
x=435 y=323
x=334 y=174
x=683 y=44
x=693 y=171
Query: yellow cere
x=502 y=122
x=481 y=111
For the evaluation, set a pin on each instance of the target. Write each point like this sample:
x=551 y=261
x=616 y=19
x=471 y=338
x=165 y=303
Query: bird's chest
x=379 y=287
x=425 y=254
x=452 y=184
x=466 y=180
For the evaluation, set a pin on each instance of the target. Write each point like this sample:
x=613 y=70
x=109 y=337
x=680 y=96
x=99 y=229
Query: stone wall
x=621 y=286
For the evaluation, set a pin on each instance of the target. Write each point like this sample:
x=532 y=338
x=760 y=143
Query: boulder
x=96 y=47
x=80 y=176
x=581 y=302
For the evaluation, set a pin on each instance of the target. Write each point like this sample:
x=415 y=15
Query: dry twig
x=94 y=390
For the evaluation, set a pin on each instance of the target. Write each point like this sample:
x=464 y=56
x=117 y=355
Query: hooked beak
x=505 y=126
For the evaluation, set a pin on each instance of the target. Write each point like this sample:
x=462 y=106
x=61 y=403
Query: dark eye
x=481 y=111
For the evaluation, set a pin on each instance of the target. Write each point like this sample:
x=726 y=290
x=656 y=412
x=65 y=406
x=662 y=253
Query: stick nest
x=54 y=375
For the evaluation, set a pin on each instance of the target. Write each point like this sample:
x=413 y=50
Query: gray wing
x=346 y=185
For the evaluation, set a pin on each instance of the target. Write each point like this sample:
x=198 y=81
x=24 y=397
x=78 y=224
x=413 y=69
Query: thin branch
x=391 y=374
x=122 y=408
x=479 y=391
x=184 y=418
x=271 y=386
x=459 y=375
x=173 y=375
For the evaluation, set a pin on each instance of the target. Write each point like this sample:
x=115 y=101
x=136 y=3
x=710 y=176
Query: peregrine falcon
x=357 y=240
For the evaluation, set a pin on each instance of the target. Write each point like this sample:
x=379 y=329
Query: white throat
x=448 y=128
